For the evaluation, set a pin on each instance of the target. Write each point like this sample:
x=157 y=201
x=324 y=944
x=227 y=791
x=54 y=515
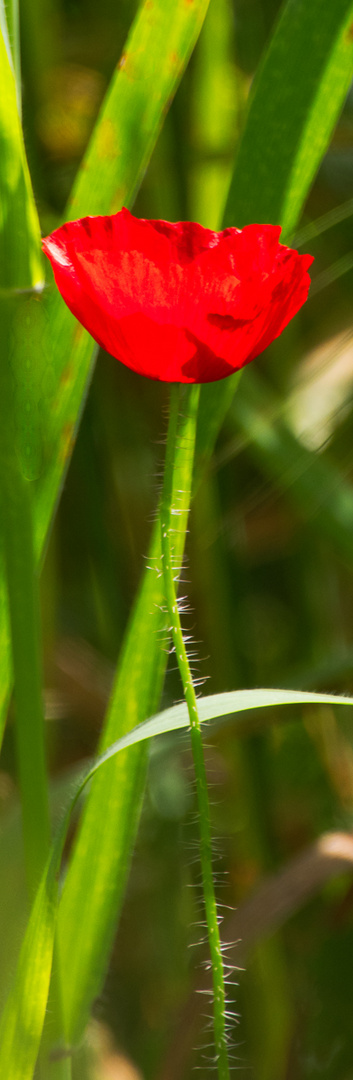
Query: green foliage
x=291 y=118
x=256 y=609
x=23 y=1017
x=110 y=818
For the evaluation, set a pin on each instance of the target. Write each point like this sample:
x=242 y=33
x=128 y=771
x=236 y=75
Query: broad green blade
x=297 y=95
x=14 y=897
x=96 y=876
x=22 y=1021
x=296 y=99
x=149 y=70
x=62 y=353
x=23 y=1016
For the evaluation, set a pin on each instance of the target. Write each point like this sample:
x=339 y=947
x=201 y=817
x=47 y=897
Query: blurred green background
x=269 y=575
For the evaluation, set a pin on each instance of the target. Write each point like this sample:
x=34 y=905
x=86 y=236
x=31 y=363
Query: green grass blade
x=156 y=52
x=214 y=707
x=4 y=30
x=62 y=353
x=66 y=414
x=13 y=17
x=149 y=70
x=97 y=874
x=104 y=842
x=20 y=258
x=151 y=642
x=20 y=270
x=297 y=96
x=23 y=1016
x=105 y=180
x=23 y=602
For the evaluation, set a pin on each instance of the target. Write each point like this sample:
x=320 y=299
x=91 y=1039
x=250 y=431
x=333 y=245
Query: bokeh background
x=269 y=575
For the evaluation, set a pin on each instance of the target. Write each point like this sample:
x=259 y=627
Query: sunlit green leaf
x=297 y=96
x=22 y=1020
x=23 y=1017
x=216 y=706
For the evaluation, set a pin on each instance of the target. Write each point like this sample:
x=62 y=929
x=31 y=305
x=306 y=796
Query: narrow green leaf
x=216 y=706
x=296 y=99
x=16 y=534
x=20 y=270
x=23 y=1016
x=20 y=260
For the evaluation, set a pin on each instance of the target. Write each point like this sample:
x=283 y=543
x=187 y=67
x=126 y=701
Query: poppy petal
x=175 y=301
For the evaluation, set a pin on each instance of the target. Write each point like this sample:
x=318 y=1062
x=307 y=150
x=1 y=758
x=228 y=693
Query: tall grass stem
x=22 y=588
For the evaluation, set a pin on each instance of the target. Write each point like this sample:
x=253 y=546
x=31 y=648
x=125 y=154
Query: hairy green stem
x=171 y=571
x=22 y=587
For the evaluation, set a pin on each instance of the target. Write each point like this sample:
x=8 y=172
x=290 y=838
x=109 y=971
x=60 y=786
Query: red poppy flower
x=178 y=302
